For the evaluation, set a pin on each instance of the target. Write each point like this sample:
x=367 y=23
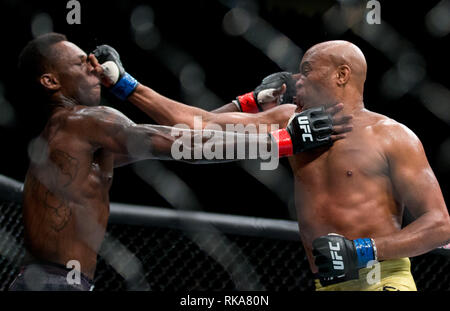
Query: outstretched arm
x=250 y=108
x=166 y=111
x=109 y=129
x=169 y=112
x=274 y=89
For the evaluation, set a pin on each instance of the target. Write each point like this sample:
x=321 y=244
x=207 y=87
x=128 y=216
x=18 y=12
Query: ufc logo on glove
x=303 y=122
x=338 y=263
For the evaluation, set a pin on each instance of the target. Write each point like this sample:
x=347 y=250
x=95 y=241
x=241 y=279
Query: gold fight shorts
x=390 y=275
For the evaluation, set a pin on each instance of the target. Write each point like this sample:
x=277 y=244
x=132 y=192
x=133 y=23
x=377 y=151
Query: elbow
x=442 y=223
x=446 y=226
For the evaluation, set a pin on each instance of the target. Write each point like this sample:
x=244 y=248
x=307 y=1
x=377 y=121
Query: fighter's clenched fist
x=112 y=73
x=307 y=130
x=275 y=89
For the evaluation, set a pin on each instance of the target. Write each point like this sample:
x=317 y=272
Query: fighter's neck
x=352 y=107
x=61 y=101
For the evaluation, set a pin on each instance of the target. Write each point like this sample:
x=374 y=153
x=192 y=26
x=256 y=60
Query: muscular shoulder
x=97 y=115
x=395 y=137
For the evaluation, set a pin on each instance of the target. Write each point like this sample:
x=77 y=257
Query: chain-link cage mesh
x=172 y=260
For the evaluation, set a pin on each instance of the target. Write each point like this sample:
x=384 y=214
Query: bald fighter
x=65 y=197
x=349 y=197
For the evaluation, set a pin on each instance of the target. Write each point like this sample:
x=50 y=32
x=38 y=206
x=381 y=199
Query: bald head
x=341 y=53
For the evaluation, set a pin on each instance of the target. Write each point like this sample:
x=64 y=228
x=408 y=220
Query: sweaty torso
x=346 y=189
x=66 y=202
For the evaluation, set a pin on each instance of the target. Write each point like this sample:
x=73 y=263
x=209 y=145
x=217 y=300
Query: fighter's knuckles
x=321 y=122
x=266 y=95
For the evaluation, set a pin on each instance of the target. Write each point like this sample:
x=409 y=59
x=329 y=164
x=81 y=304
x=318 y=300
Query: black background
x=232 y=66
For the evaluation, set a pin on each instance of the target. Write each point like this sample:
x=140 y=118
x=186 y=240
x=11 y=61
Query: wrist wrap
x=124 y=87
x=364 y=251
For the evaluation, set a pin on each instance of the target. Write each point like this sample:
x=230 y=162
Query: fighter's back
x=66 y=202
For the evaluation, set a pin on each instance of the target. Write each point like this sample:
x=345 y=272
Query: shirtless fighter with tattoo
x=350 y=197
x=65 y=198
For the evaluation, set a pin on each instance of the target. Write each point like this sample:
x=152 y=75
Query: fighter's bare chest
x=357 y=155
